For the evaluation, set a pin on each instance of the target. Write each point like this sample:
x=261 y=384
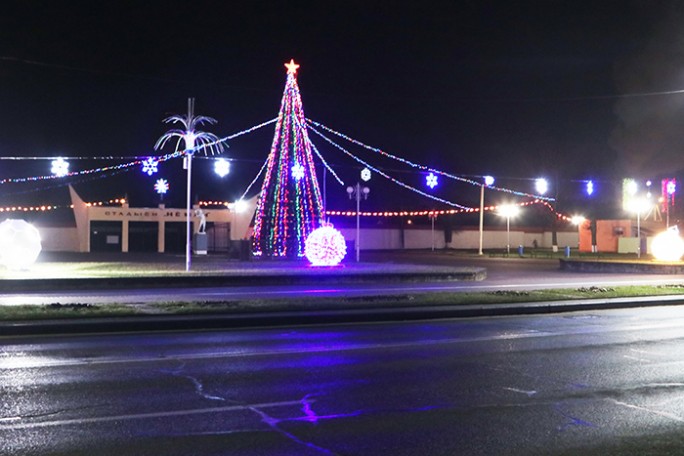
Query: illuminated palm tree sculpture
x=190 y=136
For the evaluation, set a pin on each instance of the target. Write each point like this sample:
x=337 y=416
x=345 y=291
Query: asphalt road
x=598 y=383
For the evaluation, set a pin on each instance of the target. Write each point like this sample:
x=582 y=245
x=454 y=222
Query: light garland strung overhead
x=385 y=175
x=418 y=166
x=138 y=161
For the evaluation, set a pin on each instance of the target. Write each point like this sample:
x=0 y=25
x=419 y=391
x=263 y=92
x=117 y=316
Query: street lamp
x=433 y=215
x=358 y=192
x=487 y=181
x=508 y=211
x=639 y=205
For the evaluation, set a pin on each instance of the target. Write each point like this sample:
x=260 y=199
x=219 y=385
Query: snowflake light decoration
x=325 y=246
x=222 y=167
x=431 y=180
x=365 y=174
x=150 y=166
x=60 y=167
x=297 y=171
x=161 y=186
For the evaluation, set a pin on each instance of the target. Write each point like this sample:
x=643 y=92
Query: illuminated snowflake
x=150 y=166
x=222 y=167
x=297 y=171
x=431 y=180
x=60 y=168
x=161 y=186
x=365 y=174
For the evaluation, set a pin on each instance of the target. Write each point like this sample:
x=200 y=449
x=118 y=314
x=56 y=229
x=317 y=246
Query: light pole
x=433 y=216
x=487 y=181
x=639 y=205
x=190 y=137
x=508 y=211
x=358 y=192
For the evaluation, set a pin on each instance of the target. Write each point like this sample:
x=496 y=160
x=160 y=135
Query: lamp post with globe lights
x=359 y=192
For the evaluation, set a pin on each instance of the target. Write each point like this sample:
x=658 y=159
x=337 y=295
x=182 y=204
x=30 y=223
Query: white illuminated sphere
x=325 y=246
x=668 y=246
x=19 y=244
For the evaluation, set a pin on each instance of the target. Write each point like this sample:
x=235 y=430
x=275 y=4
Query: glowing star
x=291 y=67
x=297 y=171
x=668 y=246
x=19 y=244
x=149 y=166
x=325 y=246
x=365 y=174
x=60 y=168
x=431 y=180
x=161 y=186
x=222 y=167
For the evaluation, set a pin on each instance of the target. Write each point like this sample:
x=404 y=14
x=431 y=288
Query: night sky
x=569 y=90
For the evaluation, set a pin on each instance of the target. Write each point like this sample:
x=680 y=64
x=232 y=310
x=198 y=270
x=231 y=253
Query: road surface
x=597 y=383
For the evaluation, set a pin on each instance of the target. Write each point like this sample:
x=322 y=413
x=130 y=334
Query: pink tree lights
x=290 y=205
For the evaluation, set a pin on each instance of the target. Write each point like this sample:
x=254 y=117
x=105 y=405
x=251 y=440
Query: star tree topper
x=291 y=67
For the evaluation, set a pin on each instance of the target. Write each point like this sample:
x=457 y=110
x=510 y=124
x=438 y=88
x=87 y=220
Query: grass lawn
x=85 y=310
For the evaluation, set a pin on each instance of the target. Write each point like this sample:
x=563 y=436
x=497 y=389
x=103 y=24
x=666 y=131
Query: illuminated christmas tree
x=290 y=205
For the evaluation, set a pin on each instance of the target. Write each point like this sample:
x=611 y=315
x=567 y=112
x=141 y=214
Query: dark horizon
x=569 y=91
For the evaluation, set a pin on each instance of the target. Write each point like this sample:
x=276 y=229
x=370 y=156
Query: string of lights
x=424 y=167
x=290 y=204
x=136 y=161
x=49 y=207
x=386 y=176
x=315 y=149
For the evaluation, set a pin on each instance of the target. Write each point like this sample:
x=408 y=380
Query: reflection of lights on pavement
x=668 y=246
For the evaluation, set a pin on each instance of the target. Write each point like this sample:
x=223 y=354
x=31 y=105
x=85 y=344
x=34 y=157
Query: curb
x=339 y=316
x=241 y=278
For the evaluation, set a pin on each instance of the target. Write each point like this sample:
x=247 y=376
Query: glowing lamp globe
x=325 y=246
x=668 y=246
x=19 y=244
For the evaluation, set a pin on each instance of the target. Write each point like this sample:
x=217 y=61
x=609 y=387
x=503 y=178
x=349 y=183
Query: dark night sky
x=512 y=89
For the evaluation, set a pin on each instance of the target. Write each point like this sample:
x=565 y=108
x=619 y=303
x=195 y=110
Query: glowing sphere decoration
x=325 y=246
x=668 y=246
x=19 y=244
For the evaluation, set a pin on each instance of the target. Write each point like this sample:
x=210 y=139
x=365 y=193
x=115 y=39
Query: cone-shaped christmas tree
x=289 y=206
